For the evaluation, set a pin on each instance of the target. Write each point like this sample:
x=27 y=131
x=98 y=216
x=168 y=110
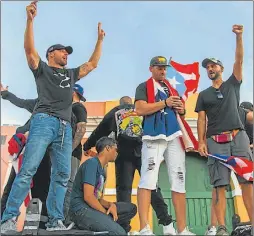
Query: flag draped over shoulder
x=166 y=123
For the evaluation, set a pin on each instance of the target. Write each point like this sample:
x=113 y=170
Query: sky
x=135 y=32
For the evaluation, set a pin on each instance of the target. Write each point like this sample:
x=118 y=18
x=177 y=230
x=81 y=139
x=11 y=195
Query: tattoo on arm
x=79 y=134
x=85 y=69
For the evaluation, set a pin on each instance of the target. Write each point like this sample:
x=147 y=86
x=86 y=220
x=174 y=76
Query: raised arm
x=31 y=54
x=104 y=128
x=238 y=65
x=28 y=104
x=94 y=59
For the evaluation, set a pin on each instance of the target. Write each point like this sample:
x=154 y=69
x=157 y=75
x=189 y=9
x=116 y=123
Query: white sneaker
x=146 y=231
x=133 y=233
x=10 y=227
x=211 y=230
x=186 y=232
x=169 y=229
x=60 y=226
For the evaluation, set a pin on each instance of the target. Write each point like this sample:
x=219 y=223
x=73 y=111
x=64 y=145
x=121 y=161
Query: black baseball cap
x=247 y=105
x=59 y=47
x=213 y=60
x=159 y=61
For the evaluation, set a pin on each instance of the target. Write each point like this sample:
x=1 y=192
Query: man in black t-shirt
x=225 y=131
x=80 y=118
x=50 y=125
x=248 y=108
x=42 y=177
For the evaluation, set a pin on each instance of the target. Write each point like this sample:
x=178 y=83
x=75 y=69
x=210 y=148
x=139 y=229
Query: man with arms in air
x=50 y=125
x=224 y=134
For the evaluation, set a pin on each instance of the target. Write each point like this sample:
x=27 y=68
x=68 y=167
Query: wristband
x=183 y=113
x=165 y=103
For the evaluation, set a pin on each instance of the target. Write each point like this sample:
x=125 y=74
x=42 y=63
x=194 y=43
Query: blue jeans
x=45 y=131
x=88 y=218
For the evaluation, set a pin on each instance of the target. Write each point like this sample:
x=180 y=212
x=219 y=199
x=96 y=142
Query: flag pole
x=169 y=62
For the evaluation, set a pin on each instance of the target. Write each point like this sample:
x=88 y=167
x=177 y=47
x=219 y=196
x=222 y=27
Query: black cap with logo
x=59 y=47
x=159 y=61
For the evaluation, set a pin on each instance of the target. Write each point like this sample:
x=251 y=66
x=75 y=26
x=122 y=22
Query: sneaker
x=146 y=231
x=10 y=227
x=133 y=233
x=186 y=232
x=222 y=230
x=60 y=226
x=211 y=230
x=169 y=229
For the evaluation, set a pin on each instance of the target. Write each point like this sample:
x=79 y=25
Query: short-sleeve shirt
x=248 y=127
x=141 y=91
x=90 y=172
x=80 y=113
x=54 y=88
x=222 y=113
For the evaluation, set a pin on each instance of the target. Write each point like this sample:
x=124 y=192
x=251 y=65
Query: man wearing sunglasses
x=224 y=134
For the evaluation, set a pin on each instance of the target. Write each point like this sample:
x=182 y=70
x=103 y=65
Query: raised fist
x=237 y=29
x=31 y=10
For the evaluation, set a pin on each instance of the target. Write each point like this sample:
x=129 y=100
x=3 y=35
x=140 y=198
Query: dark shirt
x=127 y=149
x=222 y=113
x=247 y=126
x=28 y=104
x=80 y=113
x=54 y=88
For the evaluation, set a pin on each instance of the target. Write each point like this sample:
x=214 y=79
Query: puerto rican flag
x=239 y=165
x=16 y=150
x=184 y=78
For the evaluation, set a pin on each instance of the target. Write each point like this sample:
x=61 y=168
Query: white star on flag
x=173 y=82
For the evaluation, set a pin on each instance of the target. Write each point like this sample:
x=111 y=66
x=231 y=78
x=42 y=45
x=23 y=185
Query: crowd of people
x=150 y=131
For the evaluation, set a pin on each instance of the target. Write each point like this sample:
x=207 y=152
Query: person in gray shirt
x=224 y=134
x=50 y=125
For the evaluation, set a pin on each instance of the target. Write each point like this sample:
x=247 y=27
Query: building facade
x=201 y=196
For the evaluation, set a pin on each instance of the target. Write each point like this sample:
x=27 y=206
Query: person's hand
x=173 y=101
x=113 y=210
x=237 y=29
x=31 y=10
x=180 y=108
x=101 y=33
x=4 y=88
x=202 y=149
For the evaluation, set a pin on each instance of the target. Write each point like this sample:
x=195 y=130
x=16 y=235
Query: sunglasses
x=219 y=94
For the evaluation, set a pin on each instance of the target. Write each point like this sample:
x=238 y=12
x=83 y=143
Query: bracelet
x=165 y=102
x=183 y=113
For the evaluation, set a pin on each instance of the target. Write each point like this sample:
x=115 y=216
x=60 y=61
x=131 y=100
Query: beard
x=214 y=76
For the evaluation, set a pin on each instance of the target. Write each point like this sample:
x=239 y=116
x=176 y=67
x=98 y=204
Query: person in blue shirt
x=88 y=209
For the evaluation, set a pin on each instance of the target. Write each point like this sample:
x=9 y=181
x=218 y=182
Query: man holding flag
x=225 y=133
x=163 y=128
